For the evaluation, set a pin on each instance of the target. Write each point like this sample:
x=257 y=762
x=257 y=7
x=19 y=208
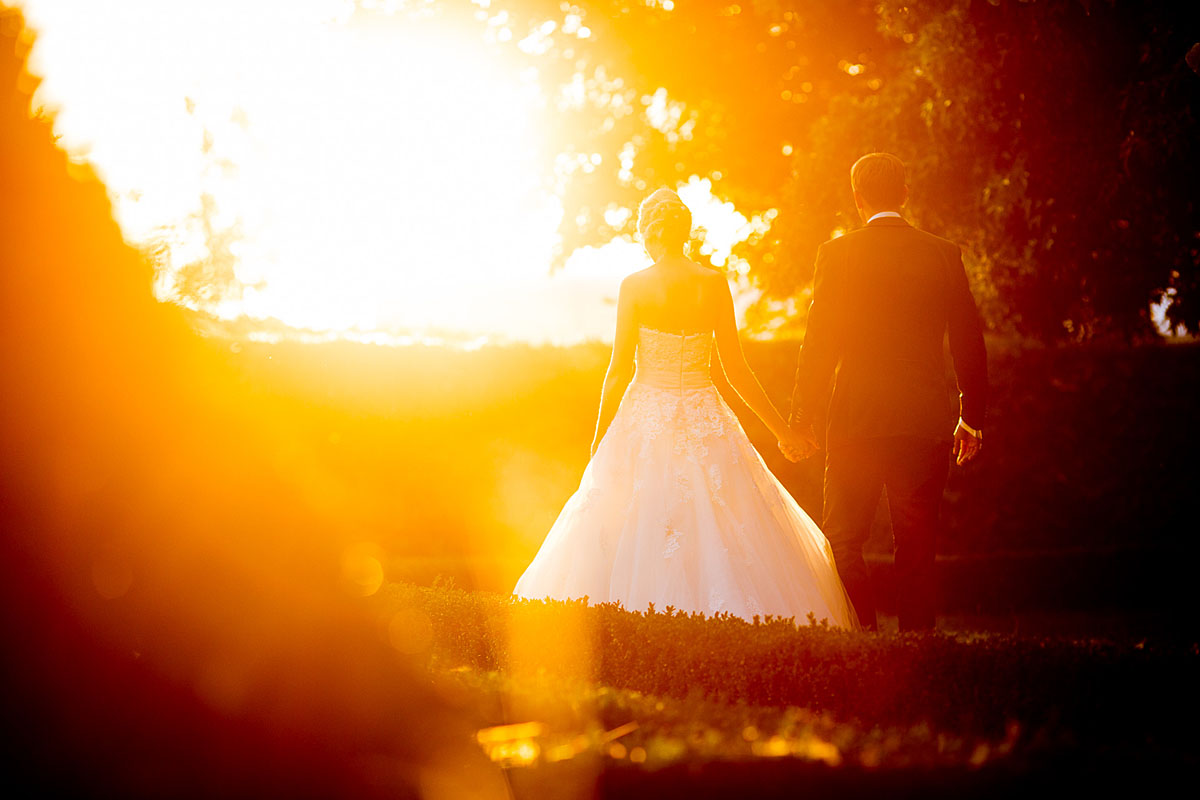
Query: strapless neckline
x=674 y=333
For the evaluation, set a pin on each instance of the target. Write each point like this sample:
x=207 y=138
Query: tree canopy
x=1056 y=140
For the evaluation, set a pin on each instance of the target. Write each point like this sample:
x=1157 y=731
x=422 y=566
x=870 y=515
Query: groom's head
x=879 y=184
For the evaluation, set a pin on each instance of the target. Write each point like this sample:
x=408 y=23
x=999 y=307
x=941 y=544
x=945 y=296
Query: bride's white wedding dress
x=677 y=508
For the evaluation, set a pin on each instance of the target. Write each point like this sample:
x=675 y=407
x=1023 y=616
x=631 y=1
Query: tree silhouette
x=1056 y=140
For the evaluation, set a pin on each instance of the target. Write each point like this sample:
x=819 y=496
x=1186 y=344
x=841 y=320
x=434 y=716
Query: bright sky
x=383 y=174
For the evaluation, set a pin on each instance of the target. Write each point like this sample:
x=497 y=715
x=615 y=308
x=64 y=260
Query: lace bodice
x=673 y=360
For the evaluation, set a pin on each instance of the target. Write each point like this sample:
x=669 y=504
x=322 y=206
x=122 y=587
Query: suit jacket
x=884 y=297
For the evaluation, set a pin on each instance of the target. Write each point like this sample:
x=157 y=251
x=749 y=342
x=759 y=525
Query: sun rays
x=363 y=175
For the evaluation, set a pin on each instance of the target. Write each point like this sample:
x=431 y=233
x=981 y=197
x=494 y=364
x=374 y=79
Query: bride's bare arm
x=738 y=372
x=620 y=366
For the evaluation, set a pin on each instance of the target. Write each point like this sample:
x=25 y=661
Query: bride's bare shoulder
x=713 y=275
x=703 y=268
x=640 y=275
x=634 y=281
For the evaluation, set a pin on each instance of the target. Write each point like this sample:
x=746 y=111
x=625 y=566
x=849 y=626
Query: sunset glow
x=370 y=172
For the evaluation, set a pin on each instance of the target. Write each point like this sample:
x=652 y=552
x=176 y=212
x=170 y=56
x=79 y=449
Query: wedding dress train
x=677 y=508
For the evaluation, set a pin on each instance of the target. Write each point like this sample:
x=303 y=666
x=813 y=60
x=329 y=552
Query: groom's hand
x=967 y=444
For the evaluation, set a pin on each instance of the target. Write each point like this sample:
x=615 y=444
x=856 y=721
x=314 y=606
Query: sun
x=364 y=174
x=371 y=172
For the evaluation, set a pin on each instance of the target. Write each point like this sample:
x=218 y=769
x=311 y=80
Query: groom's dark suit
x=883 y=298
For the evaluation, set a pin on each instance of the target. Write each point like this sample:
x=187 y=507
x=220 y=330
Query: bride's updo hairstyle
x=664 y=219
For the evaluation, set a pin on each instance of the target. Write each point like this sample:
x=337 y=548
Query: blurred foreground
x=173 y=612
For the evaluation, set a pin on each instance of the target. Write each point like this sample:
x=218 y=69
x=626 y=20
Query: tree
x=208 y=280
x=1056 y=140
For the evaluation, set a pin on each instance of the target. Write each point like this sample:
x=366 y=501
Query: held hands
x=967 y=443
x=798 y=442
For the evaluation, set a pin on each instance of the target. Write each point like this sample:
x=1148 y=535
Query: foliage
x=1054 y=139
x=694 y=729
x=724 y=673
x=205 y=281
x=170 y=620
x=556 y=737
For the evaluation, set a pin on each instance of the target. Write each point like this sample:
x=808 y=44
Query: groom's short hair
x=879 y=178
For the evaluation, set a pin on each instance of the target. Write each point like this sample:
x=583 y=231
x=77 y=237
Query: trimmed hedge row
x=1092 y=693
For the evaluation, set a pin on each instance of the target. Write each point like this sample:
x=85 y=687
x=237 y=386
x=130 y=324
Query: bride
x=676 y=507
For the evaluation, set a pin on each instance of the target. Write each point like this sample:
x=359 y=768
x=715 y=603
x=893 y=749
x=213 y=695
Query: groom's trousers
x=914 y=472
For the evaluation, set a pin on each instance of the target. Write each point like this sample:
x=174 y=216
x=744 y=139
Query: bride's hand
x=798 y=443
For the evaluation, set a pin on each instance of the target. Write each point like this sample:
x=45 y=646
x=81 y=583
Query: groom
x=884 y=297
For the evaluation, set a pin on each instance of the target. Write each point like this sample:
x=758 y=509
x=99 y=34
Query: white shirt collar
x=883 y=214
